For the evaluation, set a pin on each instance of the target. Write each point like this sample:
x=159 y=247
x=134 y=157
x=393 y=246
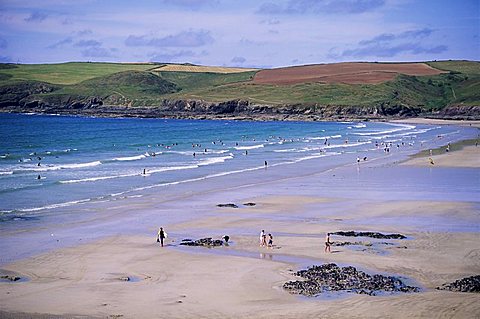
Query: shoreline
x=441 y=247
x=434 y=121
x=151 y=112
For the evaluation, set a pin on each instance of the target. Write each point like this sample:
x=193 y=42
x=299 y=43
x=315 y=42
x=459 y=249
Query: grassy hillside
x=143 y=85
x=465 y=67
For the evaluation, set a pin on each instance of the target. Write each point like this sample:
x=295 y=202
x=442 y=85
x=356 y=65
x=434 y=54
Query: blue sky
x=248 y=33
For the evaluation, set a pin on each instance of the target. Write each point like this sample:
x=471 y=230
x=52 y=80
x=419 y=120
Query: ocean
x=49 y=163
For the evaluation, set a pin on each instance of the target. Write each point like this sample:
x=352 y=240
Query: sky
x=239 y=33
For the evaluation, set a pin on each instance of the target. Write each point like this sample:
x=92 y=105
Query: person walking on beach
x=270 y=241
x=328 y=243
x=161 y=236
x=263 y=238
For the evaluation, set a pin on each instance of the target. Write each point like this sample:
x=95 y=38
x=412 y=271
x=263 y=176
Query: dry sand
x=171 y=282
x=245 y=280
x=468 y=157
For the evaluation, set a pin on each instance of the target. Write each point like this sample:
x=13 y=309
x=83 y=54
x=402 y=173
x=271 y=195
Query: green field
x=138 y=85
x=67 y=73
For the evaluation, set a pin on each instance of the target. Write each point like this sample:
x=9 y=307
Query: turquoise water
x=48 y=162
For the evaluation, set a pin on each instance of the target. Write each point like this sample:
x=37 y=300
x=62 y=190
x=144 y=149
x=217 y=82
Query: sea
x=49 y=162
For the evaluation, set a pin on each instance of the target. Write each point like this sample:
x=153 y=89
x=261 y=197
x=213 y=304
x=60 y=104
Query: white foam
x=218 y=151
x=80 y=165
x=215 y=160
x=52 y=206
x=411 y=133
x=171 y=168
x=6 y=173
x=289 y=150
x=249 y=147
x=345 y=145
x=399 y=127
x=130 y=158
x=360 y=125
x=58 y=167
x=94 y=179
x=323 y=137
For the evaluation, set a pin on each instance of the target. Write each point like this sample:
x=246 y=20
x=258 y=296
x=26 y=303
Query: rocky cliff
x=37 y=97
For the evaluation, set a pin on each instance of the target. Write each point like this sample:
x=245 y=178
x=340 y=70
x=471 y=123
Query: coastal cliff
x=197 y=109
x=235 y=109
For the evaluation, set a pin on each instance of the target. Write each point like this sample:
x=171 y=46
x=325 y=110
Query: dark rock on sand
x=228 y=205
x=249 y=204
x=468 y=284
x=348 y=243
x=206 y=242
x=10 y=277
x=358 y=243
x=369 y=234
x=330 y=277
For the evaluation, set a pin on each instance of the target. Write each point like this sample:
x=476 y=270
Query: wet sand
x=245 y=280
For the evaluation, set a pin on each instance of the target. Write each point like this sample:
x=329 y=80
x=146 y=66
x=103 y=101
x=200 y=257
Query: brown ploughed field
x=349 y=73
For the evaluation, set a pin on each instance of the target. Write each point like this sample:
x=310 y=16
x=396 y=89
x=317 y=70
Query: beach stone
x=206 y=242
x=230 y=205
x=249 y=204
x=377 y=235
x=330 y=277
x=126 y=278
x=467 y=284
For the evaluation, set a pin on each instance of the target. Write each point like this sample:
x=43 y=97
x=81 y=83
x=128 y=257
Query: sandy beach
x=244 y=280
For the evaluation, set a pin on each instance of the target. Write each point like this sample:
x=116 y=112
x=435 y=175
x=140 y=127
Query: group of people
x=263 y=239
x=264 y=242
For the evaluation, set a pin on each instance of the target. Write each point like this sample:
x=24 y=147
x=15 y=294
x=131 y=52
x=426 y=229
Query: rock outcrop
x=206 y=242
x=460 y=111
x=468 y=284
x=352 y=233
x=229 y=205
x=330 y=277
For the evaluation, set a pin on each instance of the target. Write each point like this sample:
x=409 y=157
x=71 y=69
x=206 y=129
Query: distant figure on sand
x=263 y=238
x=266 y=163
x=328 y=243
x=270 y=240
x=431 y=161
x=226 y=238
x=161 y=236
